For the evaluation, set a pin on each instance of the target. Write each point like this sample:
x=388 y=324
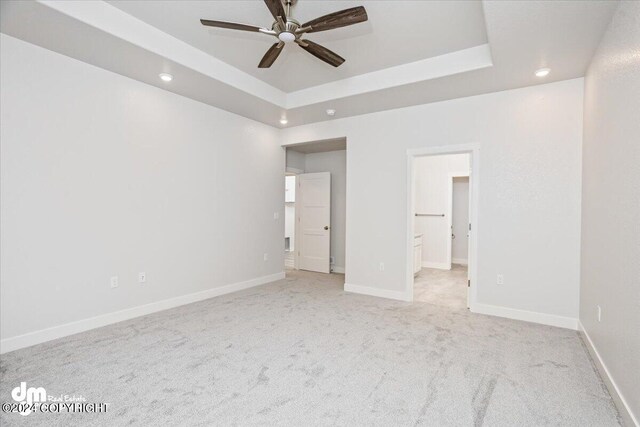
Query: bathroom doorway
x=441 y=208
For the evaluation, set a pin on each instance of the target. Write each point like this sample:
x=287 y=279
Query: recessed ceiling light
x=284 y=121
x=166 y=77
x=542 y=72
x=331 y=112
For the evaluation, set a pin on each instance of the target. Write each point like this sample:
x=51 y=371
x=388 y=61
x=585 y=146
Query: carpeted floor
x=303 y=352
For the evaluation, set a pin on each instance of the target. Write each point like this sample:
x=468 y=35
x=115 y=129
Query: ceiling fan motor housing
x=288 y=33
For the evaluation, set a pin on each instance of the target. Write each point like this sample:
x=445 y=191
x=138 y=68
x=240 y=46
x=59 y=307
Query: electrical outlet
x=500 y=279
x=142 y=277
x=276 y=215
x=332 y=260
x=114 y=281
x=599 y=314
x=382 y=266
x=266 y=256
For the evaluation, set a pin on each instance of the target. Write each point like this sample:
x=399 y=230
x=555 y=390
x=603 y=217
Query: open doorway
x=441 y=208
x=316 y=236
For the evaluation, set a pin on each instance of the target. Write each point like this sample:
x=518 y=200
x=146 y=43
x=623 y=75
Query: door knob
x=326 y=227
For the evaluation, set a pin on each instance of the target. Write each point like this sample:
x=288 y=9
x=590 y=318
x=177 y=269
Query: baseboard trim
x=527 y=316
x=438 y=265
x=460 y=261
x=619 y=400
x=376 y=292
x=337 y=269
x=60 y=331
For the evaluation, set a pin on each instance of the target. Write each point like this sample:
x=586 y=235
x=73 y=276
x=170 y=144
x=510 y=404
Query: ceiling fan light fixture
x=288 y=30
x=543 y=72
x=286 y=36
x=331 y=112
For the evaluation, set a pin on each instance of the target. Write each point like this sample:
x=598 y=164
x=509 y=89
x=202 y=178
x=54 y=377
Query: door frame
x=289 y=171
x=452 y=175
x=473 y=149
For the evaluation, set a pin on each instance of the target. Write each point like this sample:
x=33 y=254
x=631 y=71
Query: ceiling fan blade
x=276 y=8
x=229 y=25
x=337 y=19
x=321 y=52
x=272 y=54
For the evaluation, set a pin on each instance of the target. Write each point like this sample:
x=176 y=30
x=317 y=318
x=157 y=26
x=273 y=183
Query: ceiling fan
x=287 y=30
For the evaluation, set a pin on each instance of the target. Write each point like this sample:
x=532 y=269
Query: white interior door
x=314 y=216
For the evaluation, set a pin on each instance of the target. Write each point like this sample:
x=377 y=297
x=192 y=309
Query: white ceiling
x=396 y=33
x=464 y=49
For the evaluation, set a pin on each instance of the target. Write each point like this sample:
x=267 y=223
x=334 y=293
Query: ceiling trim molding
x=470 y=59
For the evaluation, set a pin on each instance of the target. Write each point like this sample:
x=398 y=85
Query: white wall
x=103 y=175
x=432 y=188
x=529 y=199
x=295 y=160
x=334 y=162
x=611 y=204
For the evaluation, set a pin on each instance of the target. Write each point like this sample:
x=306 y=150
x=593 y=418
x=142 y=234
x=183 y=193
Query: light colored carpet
x=446 y=288
x=303 y=352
